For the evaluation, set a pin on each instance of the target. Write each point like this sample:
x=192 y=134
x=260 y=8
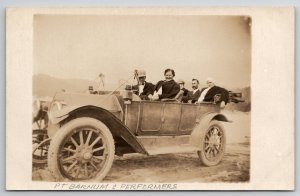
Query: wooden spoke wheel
x=40 y=145
x=213 y=144
x=82 y=150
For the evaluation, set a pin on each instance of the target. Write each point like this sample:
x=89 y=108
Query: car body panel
x=150 y=118
x=165 y=118
x=137 y=118
x=108 y=102
x=188 y=118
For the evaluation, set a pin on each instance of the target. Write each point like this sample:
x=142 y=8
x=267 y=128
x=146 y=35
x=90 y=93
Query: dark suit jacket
x=169 y=89
x=185 y=91
x=216 y=90
x=148 y=89
x=191 y=96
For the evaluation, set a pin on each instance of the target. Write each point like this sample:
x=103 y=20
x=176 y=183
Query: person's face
x=169 y=75
x=210 y=84
x=194 y=84
x=142 y=80
x=181 y=85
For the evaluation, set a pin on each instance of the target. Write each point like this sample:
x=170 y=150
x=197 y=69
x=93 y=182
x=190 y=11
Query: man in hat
x=183 y=91
x=143 y=88
x=209 y=93
x=192 y=96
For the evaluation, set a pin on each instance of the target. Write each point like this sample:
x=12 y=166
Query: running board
x=172 y=150
x=167 y=144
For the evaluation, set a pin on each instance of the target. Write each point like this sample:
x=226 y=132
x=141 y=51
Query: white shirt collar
x=141 y=88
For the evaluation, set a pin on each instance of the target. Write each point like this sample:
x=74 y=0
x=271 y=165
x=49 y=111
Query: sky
x=82 y=46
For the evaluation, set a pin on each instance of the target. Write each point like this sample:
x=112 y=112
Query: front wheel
x=82 y=150
x=213 y=147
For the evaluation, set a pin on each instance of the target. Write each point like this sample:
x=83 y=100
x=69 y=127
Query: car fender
x=198 y=133
x=114 y=124
x=59 y=115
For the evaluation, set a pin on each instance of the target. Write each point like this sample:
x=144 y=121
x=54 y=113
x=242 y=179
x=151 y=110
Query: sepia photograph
x=150 y=99
x=141 y=98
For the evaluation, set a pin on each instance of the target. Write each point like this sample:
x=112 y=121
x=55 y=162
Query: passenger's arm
x=225 y=96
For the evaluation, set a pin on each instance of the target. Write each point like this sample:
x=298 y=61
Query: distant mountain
x=44 y=85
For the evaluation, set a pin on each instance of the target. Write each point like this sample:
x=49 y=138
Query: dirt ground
x=235 y=166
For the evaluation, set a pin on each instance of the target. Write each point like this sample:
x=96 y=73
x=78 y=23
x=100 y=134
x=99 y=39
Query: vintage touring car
x=88 y=130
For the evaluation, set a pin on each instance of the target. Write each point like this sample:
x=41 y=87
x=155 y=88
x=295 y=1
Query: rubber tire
x=201 y=153
x=64 y=131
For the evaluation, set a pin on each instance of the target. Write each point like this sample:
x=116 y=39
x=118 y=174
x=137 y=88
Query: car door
x=159 y=118
x=188 y=118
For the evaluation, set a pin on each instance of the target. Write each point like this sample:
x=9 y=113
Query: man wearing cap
x=143 y=88
x=183 y=91
x=208 y=94
x=192 y=96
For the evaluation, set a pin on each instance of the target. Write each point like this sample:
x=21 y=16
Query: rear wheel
x=82 y=150
x=213 y=147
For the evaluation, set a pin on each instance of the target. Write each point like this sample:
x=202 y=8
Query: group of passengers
x=168 y=89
